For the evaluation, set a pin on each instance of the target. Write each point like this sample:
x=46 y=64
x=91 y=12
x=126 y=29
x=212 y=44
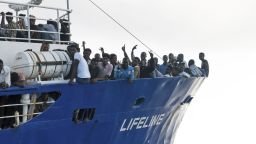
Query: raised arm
x=125 y=54
x=3 y=19
x=102 y=51
x=132 y=53
x=151 y=54
x=84 y=45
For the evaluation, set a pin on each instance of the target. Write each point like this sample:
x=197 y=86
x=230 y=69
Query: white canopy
x=23 y=7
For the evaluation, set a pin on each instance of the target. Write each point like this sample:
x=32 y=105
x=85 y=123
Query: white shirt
x=82 y=69
x=5 y=75
x=107 y=70
x=195 y=71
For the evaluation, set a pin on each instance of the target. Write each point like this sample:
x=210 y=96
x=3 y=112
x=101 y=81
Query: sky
x=223 y=110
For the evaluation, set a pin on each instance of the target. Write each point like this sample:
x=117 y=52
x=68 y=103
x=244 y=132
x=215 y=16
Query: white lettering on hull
x=141 y=122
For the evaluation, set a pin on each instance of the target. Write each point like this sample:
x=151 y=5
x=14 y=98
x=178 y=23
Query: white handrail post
x=39 y=78
x=17 y=119
x=68 y=12
x=28 y=19
x=32 y=106
x=17 y=19
x=58 y=21
x=25 y=101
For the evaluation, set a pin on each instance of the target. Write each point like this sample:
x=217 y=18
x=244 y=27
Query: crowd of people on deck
x=105 y=66
x=84 y=69
x=18 y=31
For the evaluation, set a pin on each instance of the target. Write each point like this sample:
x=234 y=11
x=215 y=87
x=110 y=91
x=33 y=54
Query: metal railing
x=37 y=103
x=28 y=30
x=14 y=116
x=28 y=104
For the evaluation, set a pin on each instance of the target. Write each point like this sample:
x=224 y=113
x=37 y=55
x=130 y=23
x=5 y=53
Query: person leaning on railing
x=79 y=68
x=5 y=78
x=2 y=31
x=34 y=28
x=204 y=64
x=135 y=63
x=105 y=68
x=50 y=31
x=22 y=25
x=65 y=30
x=124 y=71
x=10 y=28
x=5 y=81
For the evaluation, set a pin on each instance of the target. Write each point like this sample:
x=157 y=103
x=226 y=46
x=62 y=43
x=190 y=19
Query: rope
x=124 y=28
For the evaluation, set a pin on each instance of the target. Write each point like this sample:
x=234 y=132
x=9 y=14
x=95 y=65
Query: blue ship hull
x=147 y=111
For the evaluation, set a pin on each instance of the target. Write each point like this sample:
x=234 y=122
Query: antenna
x=68 y=4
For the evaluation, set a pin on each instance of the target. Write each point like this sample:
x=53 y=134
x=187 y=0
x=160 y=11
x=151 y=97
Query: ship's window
x=139 y=101
x=83 y=115
x=187 y=100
